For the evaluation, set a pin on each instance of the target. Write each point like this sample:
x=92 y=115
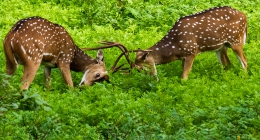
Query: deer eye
x=97 y=75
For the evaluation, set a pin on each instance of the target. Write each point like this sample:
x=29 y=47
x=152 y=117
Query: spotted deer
x=215 y=29
x=34 y=41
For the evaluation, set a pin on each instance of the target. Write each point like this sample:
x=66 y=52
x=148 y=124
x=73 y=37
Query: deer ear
x=141 y=55
x=100 y=56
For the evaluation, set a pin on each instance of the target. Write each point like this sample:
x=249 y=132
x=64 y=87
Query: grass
x=211 y=104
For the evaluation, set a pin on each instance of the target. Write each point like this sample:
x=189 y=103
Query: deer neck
x=165 y=51
x=81 y=61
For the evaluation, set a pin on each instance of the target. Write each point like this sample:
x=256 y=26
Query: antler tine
x=140 y=50
x=108 y=42
x=120 y=68
x=115 y=63
x=99 y=47
x=119 y=45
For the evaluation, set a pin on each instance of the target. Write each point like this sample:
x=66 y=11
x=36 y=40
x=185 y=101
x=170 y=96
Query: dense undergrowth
x=211 y=104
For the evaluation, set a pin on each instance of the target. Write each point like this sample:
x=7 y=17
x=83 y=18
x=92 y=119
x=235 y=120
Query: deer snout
x=105 y=78
x=140 y=67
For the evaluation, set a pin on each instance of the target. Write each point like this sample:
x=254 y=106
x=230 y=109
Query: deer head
x=141 y=57
x=35 y=41
x=95 y=72
x=216 y=29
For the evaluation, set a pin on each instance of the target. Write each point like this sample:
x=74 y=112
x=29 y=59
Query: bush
x=211 y=104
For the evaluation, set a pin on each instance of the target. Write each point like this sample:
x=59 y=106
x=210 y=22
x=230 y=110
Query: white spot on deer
x=12 y=45
x=243 y=65
x=244 y=38
x=157 y=49
x=22 y=49
x=83 y=78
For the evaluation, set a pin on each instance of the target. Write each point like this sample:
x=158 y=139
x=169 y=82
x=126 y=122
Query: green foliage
x=211 y=104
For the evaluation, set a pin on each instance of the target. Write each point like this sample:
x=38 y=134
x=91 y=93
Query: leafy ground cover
x=211 y=104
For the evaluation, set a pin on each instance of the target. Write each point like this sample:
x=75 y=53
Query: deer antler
x=132 y=65
x=125 y=52
x=109 y=44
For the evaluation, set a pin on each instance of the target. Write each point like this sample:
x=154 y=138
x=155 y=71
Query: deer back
x=39 y=40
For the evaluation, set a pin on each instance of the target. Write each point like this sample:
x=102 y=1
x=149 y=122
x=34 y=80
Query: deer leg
x=154 y=72
x=187 y=64
x=47 y=77
x=238 y=50
x=223 y=57
x=226 y=59
x=29 y=74
x=65 y=71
